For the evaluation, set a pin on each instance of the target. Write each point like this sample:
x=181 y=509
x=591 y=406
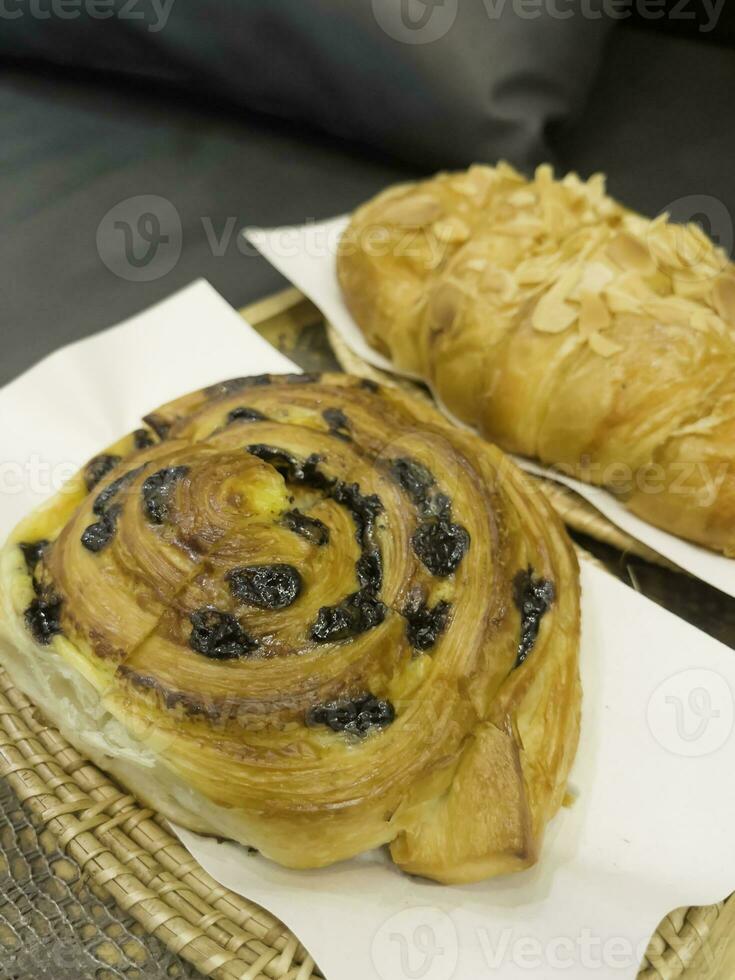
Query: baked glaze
x=318 y=636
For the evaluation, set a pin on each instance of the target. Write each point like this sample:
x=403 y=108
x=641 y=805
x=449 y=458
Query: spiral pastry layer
x=306 y=613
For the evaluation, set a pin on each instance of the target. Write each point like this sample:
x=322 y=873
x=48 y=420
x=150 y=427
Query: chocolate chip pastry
x=307 y=614
x=565 y=328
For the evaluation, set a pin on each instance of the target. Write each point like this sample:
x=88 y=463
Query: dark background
x=279 y=120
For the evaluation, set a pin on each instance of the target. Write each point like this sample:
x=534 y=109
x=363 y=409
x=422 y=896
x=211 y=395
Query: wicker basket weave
x=129 y=852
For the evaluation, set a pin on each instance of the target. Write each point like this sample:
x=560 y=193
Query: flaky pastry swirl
x=564 y=327
x=308 y=614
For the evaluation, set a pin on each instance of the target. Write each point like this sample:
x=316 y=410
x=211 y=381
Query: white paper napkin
x=652 y=826
x=305 y=254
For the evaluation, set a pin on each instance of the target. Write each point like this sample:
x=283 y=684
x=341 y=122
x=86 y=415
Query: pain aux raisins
x=356 y=614
x=356 y=716
x=425 y=624
x=245 y=414
x=219 y=636
x=339 y=424
x=97 y=536
x=98 y=468
x=533 y=598
x=310 y=528
x=43 y=617
x=157 y=491
x=265 y=586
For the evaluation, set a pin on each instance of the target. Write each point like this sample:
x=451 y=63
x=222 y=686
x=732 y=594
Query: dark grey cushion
x=438 y=82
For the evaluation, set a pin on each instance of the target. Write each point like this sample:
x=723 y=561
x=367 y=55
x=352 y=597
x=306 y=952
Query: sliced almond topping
x=413 y=212
x=475 y=183
x=522 y=198
x=630 y=253
x=595 y=276
x=552 y=314
x=566 y=282
x=603 y=345
x=498 y=281
x=451 y=230
x=705 y=321
x=506 y=171
x=533 y=271
x=553 y=317
x=593 y=314
x=672 y=309
x=723 y=296
x=620 y=299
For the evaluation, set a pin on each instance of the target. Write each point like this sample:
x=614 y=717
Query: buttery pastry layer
x=563 y=327
x=306 y=613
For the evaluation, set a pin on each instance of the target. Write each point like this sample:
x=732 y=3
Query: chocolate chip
x=218 y=635
x=43 y=617
x=413 y=478
x=364 y=508
x=33 y=552
x=440 y=545
x=339 y=424
x=97 y=536
x=157 y=490
x=369 y=568
x=306 y=473
x=142 y=439
x=424 y=624
x=159 y=425
x=369 y=385
x=98 y=468
x=104 y=499
x=356 y=716
x=533 y=598
x=356 y=614
x=244 y=414
x=265 y=586
x=310 y=528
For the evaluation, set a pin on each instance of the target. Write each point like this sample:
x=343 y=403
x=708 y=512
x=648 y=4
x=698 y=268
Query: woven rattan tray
x=128 y=852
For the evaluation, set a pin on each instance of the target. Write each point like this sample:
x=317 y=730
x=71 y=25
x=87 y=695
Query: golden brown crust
x=565 y=328
x=465 y=747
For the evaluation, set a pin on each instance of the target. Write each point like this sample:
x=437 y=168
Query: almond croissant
x=564 y=327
